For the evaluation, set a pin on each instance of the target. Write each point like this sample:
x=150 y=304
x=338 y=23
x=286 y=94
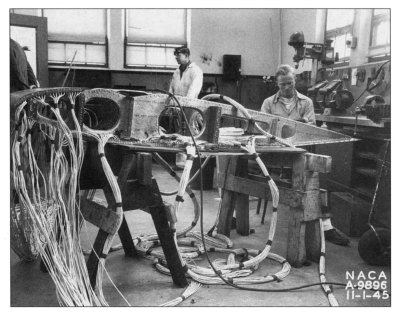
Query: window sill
x=150 y=69
x=53 y=66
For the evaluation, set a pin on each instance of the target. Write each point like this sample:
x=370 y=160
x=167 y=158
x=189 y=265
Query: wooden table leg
x=242 y=201
x=227 y=165
x=93 y=261
x=296 y=253
x=159 y=216
x=312 y=211
x=303 y=227
x=123 y=232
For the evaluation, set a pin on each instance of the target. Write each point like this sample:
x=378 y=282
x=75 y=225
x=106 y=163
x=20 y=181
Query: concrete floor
x=142 y=285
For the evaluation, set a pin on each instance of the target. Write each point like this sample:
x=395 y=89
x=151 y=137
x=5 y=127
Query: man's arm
x=196 y=84
x=309 y=115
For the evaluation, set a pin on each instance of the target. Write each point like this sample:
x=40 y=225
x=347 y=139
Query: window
x=77 y=34
x=151 y=35
x=338 y=29
x=380 y=27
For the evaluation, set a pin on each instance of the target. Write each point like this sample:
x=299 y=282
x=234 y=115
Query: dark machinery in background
x=355 y=101
x=320 y=52
x=352 y=91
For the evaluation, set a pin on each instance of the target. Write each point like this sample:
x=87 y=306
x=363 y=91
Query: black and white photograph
x=200 y=156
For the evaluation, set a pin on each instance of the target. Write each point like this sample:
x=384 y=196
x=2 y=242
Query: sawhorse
x=139 y=190
x=304 y=197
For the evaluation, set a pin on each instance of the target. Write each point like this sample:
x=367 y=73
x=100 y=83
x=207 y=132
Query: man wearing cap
x=187 y=82
x=187 y=78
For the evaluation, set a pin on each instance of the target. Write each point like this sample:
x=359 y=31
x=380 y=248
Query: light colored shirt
x=300 y=109
x=190 y=84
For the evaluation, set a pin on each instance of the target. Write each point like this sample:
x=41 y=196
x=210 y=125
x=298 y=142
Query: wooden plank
x=311 y=205
x=318 y=163
x=296 y=253
x=311 y=200
x=312 y=213
x=242 y=201
x=144 y=168
x=93 y=262
x=226 y=212
x=100 y=216
x=312 y=240
x=298 y=170
x=324 y=201
x=129 y=161
x=126 y=239
x=213 y=119
x=123 y=231
x=159 y=216
x=259 y=189
x=277 y=159
x=227 y=166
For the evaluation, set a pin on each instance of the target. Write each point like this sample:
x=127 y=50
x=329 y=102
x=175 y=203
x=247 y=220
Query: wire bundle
x=48 y=198
x=191 y=289
x=47 y=195
x=322 y=268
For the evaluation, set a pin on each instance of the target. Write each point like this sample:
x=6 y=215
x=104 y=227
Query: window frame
x=149 y=67
x=379 y=51
x=338 y=31
x=104 y=43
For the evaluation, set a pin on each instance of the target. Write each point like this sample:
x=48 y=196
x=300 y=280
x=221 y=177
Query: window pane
x=136 y=55
x=85 y=54
x=339 y=17
x=381 y=33
x=56 y=52
x=76 y=24
x=340 y=47
x=170 y=57
x=96 y=54
x=156 y=56
x=156 y=26
x=80 y=53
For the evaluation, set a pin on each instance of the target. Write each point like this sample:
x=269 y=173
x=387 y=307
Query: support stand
x=303 y=198
x=139 y=191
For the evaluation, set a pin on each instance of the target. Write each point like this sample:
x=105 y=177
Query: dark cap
x=183 y=50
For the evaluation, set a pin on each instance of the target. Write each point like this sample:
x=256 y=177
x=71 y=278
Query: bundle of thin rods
x=46 y=197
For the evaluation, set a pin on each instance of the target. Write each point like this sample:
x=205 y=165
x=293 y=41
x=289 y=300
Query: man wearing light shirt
x=187 y=81
x=188 y=77
x=291 y=104
x=288 y=102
